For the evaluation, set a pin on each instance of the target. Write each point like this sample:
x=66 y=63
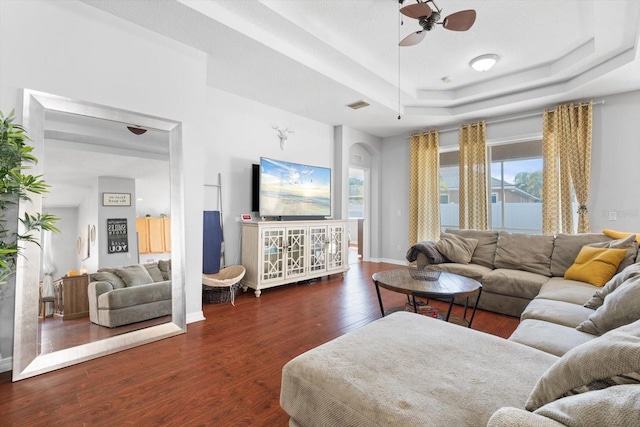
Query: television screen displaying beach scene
x=294 y=190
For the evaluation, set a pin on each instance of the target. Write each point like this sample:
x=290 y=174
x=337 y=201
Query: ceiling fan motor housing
x=427 y=23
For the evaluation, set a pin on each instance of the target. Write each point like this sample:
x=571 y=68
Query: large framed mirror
x=40 y=112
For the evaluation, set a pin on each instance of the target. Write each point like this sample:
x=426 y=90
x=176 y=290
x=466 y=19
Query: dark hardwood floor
x=224 y=371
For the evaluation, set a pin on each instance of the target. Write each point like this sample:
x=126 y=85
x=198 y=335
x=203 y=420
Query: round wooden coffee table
x=447 y=287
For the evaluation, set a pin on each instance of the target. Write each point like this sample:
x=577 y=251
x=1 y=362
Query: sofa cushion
x=517 y=283
x=629 y=244
x=154 y=271
x=456 y=248
x=610 y=355
x=134 y=275
x=598 y=297
x=567 y=246
x=136 y=295
x=485 y=252
x=107 y=276
x=559 y=312
x=549 y=337
x=165 y=268
x=573 y=291
x=595 y=265
x=620 y=307
x=527 y=252
x=613 y=406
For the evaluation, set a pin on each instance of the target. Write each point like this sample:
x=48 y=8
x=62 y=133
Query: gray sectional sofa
x=513 y=267
x=130 y=294
x=574 y=360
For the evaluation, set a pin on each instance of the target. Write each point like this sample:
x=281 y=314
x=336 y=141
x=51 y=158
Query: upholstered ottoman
x=409 y=370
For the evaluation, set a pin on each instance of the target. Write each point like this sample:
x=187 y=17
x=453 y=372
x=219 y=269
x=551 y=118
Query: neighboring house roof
x=451 y=178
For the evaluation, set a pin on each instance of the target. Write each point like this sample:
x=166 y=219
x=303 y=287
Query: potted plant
x=15 y=185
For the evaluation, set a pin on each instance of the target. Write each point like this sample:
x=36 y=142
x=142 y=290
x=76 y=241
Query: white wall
x=239 y=133
x=100 y=250
x=63 y=244
x=614 y=169
x=345 y=139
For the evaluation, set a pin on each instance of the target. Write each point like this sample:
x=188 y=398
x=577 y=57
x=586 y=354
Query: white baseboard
x=198 y=316
x=6 y=364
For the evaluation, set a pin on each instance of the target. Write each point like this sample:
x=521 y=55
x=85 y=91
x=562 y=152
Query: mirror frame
x=27 y=360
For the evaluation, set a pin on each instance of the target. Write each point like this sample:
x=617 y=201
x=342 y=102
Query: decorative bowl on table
x=431 y=275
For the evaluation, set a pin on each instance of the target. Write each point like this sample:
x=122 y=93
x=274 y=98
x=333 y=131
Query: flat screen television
x=292 y=190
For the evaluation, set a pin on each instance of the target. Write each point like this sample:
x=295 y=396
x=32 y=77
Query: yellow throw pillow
x=620 y=234
x=595 y=265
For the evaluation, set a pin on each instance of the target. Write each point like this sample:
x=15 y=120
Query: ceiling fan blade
x=460 y=21
x=413 y=38
x=416 y=11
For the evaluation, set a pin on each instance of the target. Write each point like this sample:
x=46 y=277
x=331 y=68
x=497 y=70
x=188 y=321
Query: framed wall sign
x=116 y=199
x=117 y=235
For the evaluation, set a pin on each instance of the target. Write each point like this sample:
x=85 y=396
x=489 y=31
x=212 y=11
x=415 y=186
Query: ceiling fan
x=428 y=17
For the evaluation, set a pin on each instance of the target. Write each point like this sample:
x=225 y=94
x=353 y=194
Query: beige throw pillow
x=629 y=243
x=598 y=297
x=613 y=354
x=154 y=271
x=108 y=276
x=485 y=252
x=620 y=307
x=134 y=275
x=456 y=248
x=566 y=248
x=165 y=268
x=613 y=406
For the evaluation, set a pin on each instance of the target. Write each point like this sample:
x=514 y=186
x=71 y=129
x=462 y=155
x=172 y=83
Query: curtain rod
x=507 y=119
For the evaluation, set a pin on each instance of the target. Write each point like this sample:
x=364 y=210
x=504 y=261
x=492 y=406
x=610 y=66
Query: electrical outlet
x=613 y=216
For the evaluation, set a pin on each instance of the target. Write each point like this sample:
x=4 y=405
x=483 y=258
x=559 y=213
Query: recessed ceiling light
x=484 y=62
x=447 y=79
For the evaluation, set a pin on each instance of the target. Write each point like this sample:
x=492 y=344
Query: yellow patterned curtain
x=424 y=187
x=581 y=119
x=566 y=154
x=473 y=177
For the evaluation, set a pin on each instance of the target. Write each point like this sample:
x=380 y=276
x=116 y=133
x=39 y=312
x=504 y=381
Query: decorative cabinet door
x=335 y=257
x=318 y=240
x=154 y=235
x=273 y=253
x=296 y=252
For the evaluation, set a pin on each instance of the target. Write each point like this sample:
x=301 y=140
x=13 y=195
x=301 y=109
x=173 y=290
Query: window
x=516 y=187
x=449 y=190
x=356 y=193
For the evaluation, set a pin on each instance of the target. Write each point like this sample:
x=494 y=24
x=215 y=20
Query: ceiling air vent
x=358 y=104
